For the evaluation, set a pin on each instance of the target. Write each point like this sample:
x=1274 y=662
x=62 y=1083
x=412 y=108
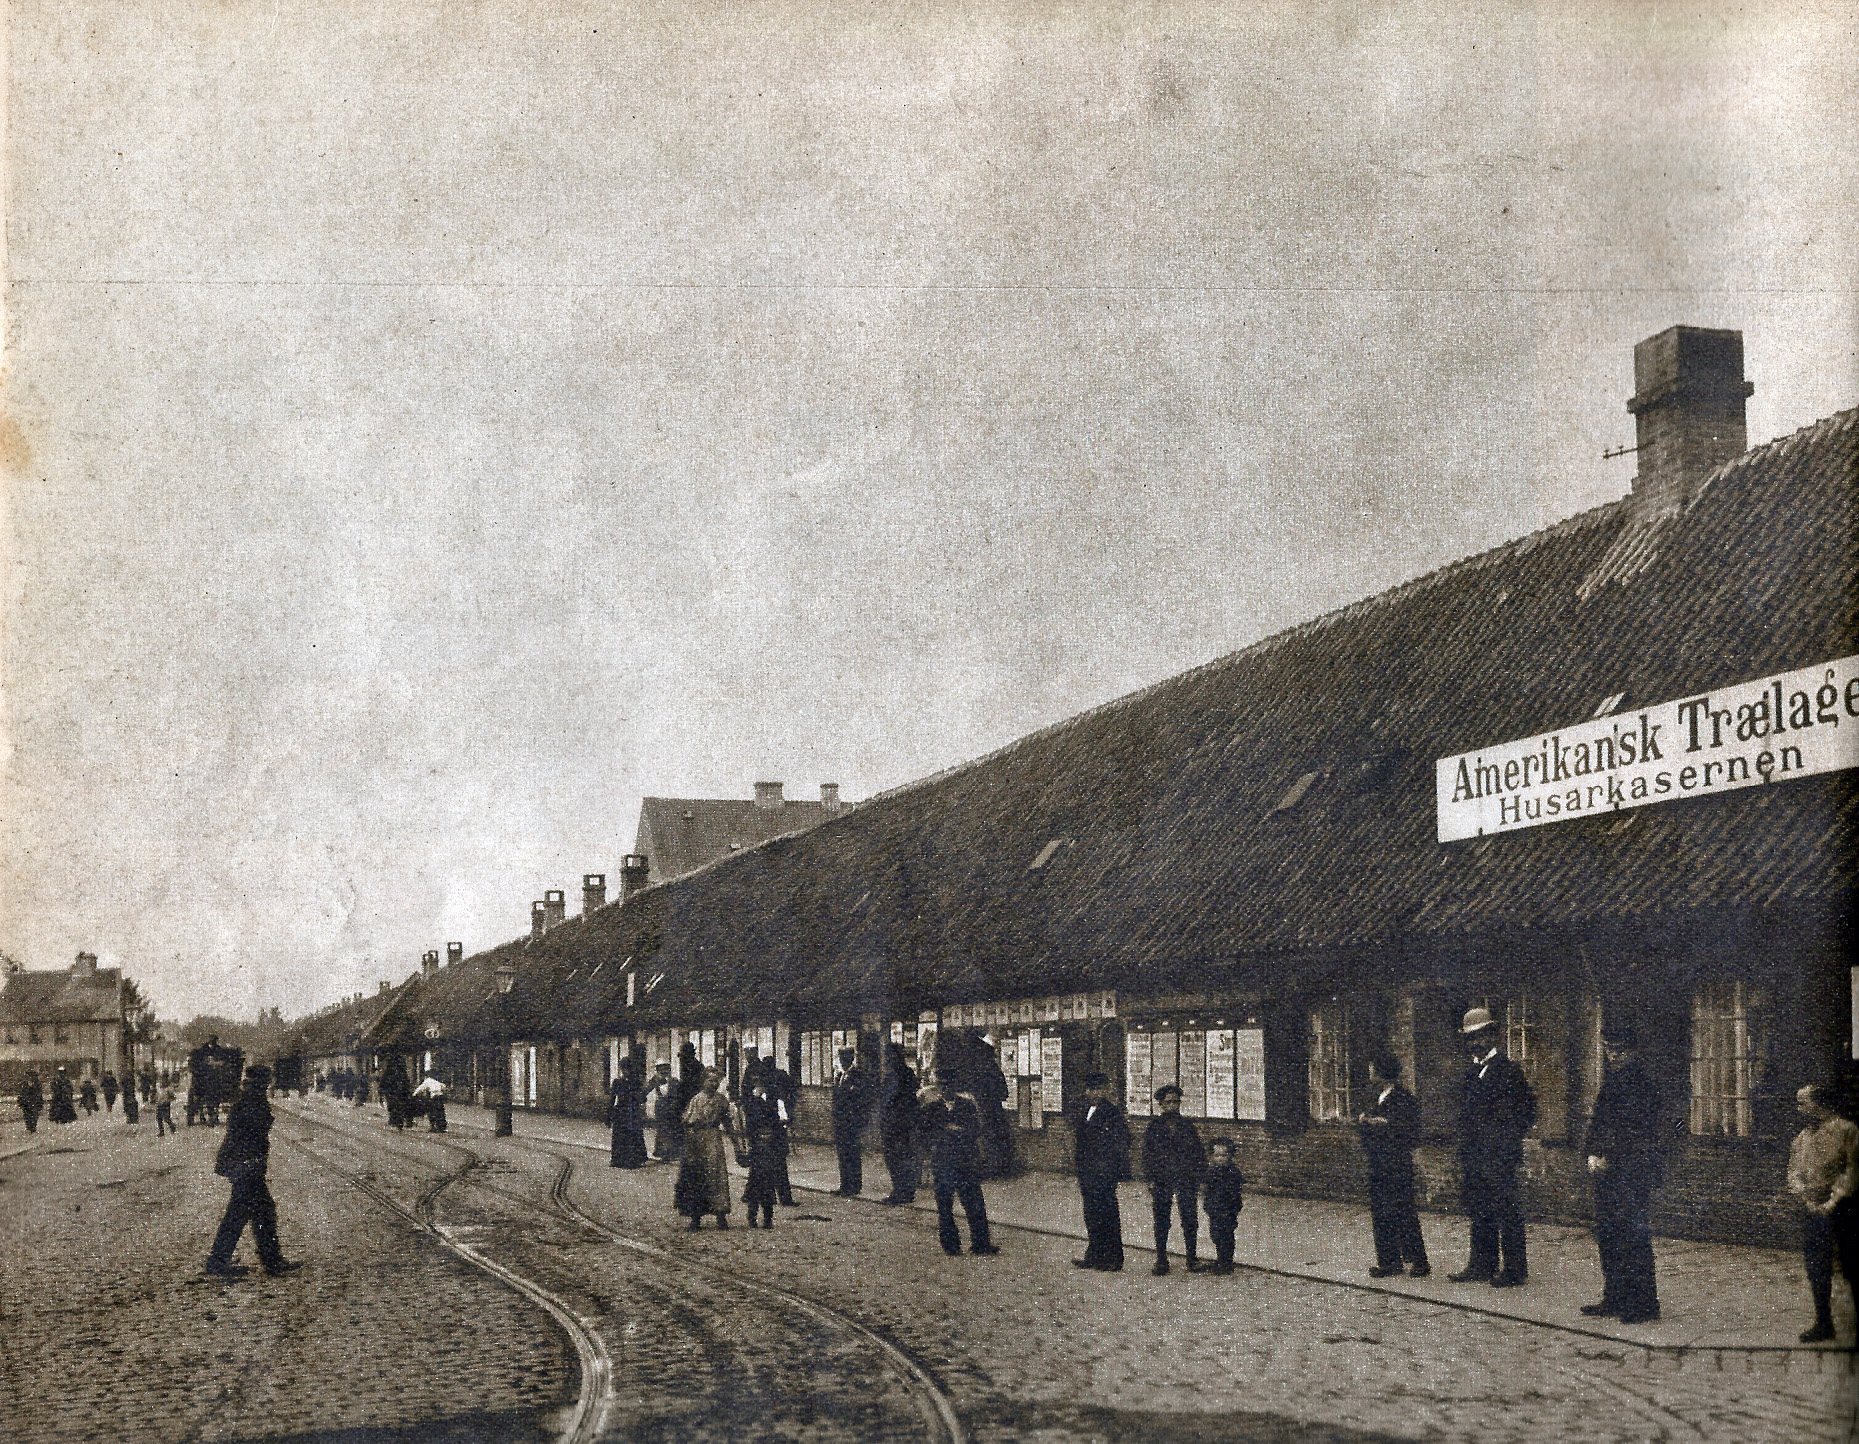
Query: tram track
x=587 y=1416
x=934 y=1410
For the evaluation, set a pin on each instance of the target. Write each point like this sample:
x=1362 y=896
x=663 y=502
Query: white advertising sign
x=1249 y=1074
x=1774 y=729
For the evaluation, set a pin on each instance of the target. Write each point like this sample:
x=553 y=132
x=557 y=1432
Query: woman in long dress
x=703 y=1174
x=625 y=1116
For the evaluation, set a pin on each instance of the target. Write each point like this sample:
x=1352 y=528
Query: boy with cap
x=1224 y=1198
x=1101 y=1149
x=1173 y=1161
x=950 y=1126
x=1823 y=1173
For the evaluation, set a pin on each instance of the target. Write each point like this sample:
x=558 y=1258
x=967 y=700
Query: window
x=1329 y=1063
x=1523 y=1040
x=32 y=1034
x=1729 y=1057
x=60 y=1033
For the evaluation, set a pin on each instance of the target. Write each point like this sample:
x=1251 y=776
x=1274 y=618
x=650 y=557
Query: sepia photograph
x=1037 y=722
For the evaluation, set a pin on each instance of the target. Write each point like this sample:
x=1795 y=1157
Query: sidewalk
x=1712 y=1296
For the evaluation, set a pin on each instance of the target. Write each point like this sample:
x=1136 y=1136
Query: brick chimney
x=429 y=962
x=768 y=795
x=454 y=953
x=555 y=906
x=635 y=868
x=538 y=918
x=1688 y=405
x=384 y=985
x=829 y=796
x=85 y=966
x=593 y=891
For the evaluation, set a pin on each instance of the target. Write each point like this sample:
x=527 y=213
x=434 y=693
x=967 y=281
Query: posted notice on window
x=1774 y=729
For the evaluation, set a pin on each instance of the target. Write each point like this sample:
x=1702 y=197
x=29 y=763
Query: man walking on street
x=1101 y=1149
x=897 y=1125
x=31 y=1100
x=851 y=1112
x=1623 y=1162
x=950 y=1125
x=1823 y=1172
x=1390 y=1127
x=1496 y=1109
x=244 y=1154
x=1173 y=1161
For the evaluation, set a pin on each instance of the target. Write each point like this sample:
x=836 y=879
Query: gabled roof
x=678 y=835
x=339 y=1029
x=62 y=997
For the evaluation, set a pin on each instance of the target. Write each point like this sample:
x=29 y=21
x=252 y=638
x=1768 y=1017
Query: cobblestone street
x=111 y=1332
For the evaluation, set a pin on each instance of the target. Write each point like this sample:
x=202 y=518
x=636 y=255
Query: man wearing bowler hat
x=243 y=1155
x=1101 y=1149
x=1496 y=1109
x=1623 y=1162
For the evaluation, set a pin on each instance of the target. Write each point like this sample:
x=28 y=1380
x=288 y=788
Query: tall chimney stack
x=593 y=891
x=555 y=908
x=85 y=967
x=454 y=953
x=538 y=918
x=429 y=962
x=1688 y=409
x=635 y=868
x=829 y=796
x=768 y=795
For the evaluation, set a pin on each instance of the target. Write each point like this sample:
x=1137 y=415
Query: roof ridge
x=1516 y=547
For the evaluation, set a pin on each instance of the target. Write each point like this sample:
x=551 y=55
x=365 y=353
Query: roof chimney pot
x=593 y=891
x=768 y=794
x=635 y=871
x=555 y=908
x=829 y=796
x=454 y=953
x=429 y=962
x=1688 y=411
x=85 y=967
x=538 y=918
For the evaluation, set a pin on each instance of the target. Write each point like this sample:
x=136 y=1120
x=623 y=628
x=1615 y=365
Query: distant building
x=72 y=1017
x=678 y=835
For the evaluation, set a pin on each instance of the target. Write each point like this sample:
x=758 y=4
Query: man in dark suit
x=852 y=1099
x=950 y=1125
x=1390 y=1127
x=1496 y=1109
x=1174 y=1159
x=897 y=1125
x=1101 y=1150
x=243 y=1156
x=1624 y=1164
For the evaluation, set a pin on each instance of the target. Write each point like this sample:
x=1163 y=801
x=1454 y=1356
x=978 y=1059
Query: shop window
x=1329 y=1063
x=1729 y=1058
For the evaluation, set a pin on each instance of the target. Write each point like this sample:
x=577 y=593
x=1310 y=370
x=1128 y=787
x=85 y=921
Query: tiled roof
x=1278 y=802
x=62 y=997
x=338 y=1029
x=1178 y=853
x=681 y=834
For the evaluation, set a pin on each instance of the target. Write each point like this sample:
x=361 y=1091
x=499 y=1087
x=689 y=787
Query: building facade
x=72 y=1019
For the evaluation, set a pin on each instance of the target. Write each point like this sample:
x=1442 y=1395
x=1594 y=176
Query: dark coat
x=897 y=1116
x=1173 y=1154
x=247 y=1144
x=62 y=1109
x=1495 y=1111
x=851 y=1101
x=1391 y=1144
x=1225 y=1193
x=1101 y=1143
x=951 y=1132
x=31 y=1098
x=1625 y=1128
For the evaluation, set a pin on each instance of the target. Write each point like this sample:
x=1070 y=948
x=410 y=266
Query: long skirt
x=628 y=1144
x=703 y=1174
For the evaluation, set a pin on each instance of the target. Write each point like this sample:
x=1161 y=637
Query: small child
x=1224 y=1199
x=164 y=1111
x=767 y=1152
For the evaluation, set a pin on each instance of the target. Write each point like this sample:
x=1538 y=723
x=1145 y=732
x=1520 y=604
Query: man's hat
x=1477 y=1020
x=1165 y=1090
x=1096 y=1080
x=1621 y=1035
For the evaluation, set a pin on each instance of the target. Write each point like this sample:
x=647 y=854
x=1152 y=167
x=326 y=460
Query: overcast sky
x=433 y=427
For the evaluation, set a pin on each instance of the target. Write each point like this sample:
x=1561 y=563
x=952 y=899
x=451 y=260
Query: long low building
x=1602 y=772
